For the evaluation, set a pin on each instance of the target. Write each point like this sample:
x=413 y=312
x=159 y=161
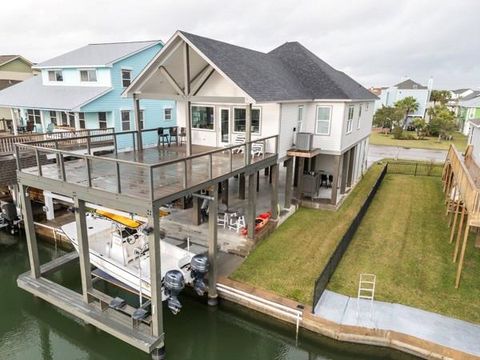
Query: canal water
x=32 y=329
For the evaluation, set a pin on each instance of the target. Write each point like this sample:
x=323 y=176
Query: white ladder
x=366 y=291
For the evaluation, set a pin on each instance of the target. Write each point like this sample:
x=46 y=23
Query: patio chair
x=222 y=220
x=174 y=134
x=182 y=135
x=257 y=149
x=239 y=140
x=163 y=137
x=236 y=223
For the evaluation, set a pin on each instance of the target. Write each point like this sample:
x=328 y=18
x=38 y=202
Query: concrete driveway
x=378 y=152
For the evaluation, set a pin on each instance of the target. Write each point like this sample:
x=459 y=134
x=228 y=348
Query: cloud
x=376 y=42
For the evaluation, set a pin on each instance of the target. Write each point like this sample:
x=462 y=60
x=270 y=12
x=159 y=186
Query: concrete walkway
x=378 y=152
x=439 y=329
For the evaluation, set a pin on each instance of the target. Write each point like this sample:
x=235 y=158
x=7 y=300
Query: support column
x=14 y=122
x=336 y=176
x=258 y=181
x=288 y=182
x=155 y=272
x=301 y=166
x=351 y=163
x=455 y=216
x=251 y=209
x=241 y=186
x=83 y=248
x=343 y=181
x=50 y=212
x=196 y=214
x=462 y=256
x=30 y=232
x=274 y=187
x=186 y=89
x=76 y=116
x=136 y=112
x=459 y=234
x=212 y=247
x=225 y=192
x=248 y=134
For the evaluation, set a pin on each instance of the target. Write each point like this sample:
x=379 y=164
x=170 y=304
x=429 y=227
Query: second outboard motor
x=199 y=265
x=173 y=283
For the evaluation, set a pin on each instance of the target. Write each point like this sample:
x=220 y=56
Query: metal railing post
x=89 y=145
x=152 y=190
x=115 y=146
x=185 y=179
x=117 y=173
x=62 y=167
x=89 y=172
x=210 y=169
x=230 y=159
x=133 y=139
x=39 y=164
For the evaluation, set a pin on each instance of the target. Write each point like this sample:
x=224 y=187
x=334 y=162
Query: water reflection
x=33 y=329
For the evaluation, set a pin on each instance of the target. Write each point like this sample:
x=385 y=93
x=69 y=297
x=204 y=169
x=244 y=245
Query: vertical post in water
x=212 y=246
x=83 y=247
x=30 y=231
x=156 y=280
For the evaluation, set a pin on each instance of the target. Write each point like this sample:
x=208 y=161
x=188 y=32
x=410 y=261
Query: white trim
x=88 y=81
x=214 y=116
x=230 y=128
x=259 y=120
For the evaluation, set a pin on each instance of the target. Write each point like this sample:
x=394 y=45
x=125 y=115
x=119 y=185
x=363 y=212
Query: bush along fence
x=415 y=168
x=325 y=276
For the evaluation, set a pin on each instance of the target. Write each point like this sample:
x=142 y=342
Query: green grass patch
x=289 y=261
x=403 y=239
x=459 y=140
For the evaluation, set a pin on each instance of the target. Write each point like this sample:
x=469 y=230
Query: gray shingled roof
x=32 y=94
x=468 y=99
x=289 y=72
x=97 y=54
x=409 y=84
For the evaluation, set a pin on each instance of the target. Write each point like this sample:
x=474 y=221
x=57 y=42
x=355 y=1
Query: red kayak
x=260 y=221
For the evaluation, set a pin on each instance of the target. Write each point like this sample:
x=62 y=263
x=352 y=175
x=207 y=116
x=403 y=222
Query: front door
x=224 y=126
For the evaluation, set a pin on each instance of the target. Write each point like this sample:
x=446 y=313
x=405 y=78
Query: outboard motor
x=173 y=283
x=199 y=267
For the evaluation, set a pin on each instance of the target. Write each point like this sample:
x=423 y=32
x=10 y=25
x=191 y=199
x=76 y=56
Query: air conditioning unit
x=304 y=141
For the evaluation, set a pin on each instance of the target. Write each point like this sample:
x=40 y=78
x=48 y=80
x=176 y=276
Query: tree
x=407 y=105
x=441 y=96
x=420 y=127
x=442 y=122
x=387 y=117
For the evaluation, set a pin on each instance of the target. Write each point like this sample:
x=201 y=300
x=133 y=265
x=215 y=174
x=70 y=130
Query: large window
x=359 y=119
x=167 y=114
x=239 y=120
x=126 y=77
x=351 y=111
x=102 y=120
x=88 y=75
x=53 y=117
x=81 y=120
x=64 y=119
x=141 y=120
x=300 y=118
x=324 y=114
x=71 y=120
x=55 y=75
x=125 y=120
x=34 y=116
x=202 y=117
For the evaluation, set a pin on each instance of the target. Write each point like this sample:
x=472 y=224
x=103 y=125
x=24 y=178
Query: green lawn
x=459 y=140
x=289 y=261
x=403 y=239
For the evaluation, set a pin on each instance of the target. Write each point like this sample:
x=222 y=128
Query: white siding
x=71 y=77
x=366 y=119
x=475 y=141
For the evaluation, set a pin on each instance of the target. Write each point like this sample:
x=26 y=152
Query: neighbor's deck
x=171 y=172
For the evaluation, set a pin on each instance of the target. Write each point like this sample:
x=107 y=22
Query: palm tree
x=407 y=105
x=442 y=96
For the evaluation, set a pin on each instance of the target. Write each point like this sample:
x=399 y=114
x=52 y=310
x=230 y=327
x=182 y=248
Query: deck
x=157 y=173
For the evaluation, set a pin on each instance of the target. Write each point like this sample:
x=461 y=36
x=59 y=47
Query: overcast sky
x=377 y=42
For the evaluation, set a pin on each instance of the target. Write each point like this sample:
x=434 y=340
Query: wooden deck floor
x=134 y=179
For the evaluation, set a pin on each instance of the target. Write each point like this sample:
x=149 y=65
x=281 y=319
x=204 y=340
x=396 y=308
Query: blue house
x=82 y=90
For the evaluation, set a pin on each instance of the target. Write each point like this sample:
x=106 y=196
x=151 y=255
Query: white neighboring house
x=474 y=140
x=290 y=90
x=390 y=95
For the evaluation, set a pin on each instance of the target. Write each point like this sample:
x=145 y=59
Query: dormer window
x=88 y=75
x=55 y=75
x=126 y=77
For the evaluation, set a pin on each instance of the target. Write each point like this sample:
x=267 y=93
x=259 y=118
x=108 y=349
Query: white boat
x=122 y=253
